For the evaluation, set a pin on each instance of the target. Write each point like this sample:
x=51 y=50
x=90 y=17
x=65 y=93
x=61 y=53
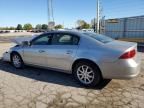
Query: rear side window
x=65 y=39
x=99 y=37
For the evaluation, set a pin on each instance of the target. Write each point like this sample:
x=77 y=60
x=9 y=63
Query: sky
x=67 y=12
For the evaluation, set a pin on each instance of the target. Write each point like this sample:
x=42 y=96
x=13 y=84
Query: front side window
x=65 y=39
x=42 y=40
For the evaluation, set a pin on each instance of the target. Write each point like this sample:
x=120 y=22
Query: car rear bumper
x=123 y=69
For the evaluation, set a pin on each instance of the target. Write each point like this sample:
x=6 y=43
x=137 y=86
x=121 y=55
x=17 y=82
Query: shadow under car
x=48 y=76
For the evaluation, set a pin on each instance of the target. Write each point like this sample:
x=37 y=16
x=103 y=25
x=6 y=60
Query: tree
x=19 y=27
x=86 y=26
x=7 y=28
x=4 y=28
x=12 y=28
x=44 y=26
x=38 y=27
x=82 y=24
x=27 y=27
x=59 y=26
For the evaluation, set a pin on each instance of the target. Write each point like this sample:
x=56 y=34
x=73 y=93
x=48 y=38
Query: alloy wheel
x=85 y=74
x=16 y=61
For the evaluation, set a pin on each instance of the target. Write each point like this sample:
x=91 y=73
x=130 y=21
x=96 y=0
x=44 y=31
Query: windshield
x=99 y=37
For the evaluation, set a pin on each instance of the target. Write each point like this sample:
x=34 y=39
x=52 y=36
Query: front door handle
x=69 y=52
x=41 y=51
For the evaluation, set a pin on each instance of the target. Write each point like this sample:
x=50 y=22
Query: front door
x=36 y=53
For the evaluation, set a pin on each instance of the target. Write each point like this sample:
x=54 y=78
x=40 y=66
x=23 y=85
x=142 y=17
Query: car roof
x=73 y=32
x=79 y=33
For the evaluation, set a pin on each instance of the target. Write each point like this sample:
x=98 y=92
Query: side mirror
x=25 y=43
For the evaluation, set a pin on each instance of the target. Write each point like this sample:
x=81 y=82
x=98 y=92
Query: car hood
x=19 y=40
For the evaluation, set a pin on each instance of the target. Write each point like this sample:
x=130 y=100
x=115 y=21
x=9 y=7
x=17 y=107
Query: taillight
x=128 y=55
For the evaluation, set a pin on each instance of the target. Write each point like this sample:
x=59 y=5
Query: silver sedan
x=88 y=56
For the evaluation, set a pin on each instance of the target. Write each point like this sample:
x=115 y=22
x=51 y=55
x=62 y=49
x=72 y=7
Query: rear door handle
x=41 y=51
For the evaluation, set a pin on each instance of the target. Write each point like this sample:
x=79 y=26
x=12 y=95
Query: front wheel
x=17 y=61
x=87 y=74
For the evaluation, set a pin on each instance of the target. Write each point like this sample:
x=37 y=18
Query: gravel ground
x=6 y=37
x=39 y=88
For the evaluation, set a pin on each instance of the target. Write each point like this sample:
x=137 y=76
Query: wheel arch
x=85 y=60
x=14 y=52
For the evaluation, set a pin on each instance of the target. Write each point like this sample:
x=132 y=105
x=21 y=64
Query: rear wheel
x=87 y=74
x=17 y=61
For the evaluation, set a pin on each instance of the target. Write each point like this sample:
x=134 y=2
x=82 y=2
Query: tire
x=90 y=72
x=17 y=61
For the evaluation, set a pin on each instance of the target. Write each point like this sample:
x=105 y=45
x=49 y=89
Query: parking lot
x=39 y=88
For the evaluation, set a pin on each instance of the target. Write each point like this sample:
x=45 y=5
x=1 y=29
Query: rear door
x=62 y=50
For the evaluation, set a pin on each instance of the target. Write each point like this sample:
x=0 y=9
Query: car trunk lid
x=120 y=48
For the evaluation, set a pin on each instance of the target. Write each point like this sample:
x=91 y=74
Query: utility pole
x=52 y=10
x=51 y=22
x=49 y=12
x=98 y=16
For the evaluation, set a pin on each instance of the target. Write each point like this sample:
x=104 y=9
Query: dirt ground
x=39 y=88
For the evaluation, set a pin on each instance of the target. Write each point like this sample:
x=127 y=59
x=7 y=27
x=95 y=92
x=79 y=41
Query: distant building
x=88 y=30
x=129 y=27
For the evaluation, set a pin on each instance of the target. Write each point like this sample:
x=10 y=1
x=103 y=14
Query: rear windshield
x=99 y=37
